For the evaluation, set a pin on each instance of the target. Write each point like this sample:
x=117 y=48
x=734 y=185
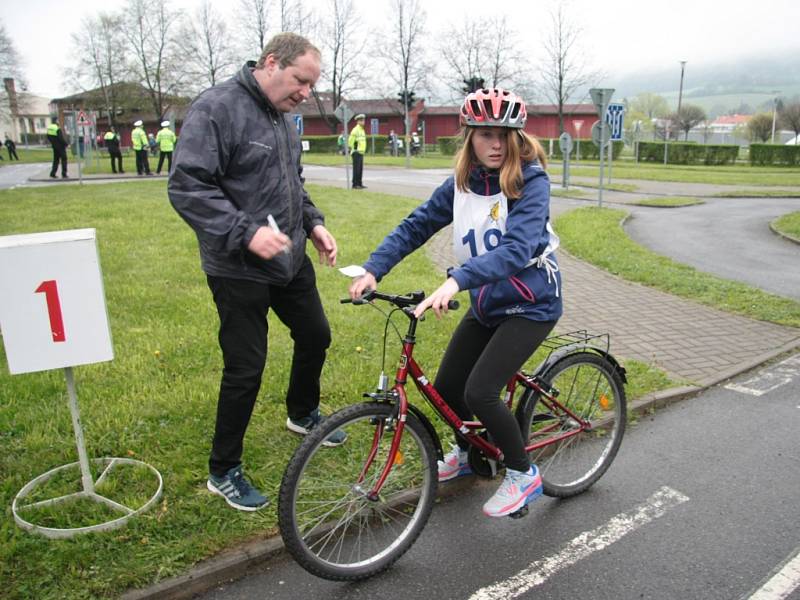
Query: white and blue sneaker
x=306 y=424
x=237 y=490
x=517 y=490
x=455 y=464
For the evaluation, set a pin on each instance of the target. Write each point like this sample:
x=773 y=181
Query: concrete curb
x=785 y=236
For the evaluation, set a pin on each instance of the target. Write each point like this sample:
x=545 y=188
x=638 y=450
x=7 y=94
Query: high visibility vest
x=358 y=139
x=110 y=135
x=138 y=138
x=52 y=129
x=166 y=139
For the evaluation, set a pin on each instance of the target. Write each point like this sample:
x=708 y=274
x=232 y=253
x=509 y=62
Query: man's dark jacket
x=239 y=161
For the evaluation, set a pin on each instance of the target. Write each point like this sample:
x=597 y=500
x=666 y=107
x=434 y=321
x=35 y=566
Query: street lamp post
x=774 y=114
x=680 y=92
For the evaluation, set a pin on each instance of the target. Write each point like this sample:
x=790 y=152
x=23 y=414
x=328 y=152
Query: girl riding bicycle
x=498 y=202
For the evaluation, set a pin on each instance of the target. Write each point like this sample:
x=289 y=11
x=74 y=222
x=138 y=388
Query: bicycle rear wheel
x=329 y=525
x=571 y=460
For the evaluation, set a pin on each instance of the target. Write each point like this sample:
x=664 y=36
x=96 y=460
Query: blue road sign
x=298 y=122
x=615 y=115
x=373 y=126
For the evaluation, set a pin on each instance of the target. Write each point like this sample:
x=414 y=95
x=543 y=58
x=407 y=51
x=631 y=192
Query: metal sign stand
x=600 y=131
x=88 y=484
x=342 y=113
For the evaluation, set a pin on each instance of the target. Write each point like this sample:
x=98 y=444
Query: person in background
x=358 y=146
x=12 y=148
x=140 y=146
x=393 y=143
x=166 y=144
x=498 y=202
x=111 y=140
x=151 y=144
x=238 y=183
x=55 y=136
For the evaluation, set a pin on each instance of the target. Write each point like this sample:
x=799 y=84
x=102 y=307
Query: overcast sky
x=620 y=36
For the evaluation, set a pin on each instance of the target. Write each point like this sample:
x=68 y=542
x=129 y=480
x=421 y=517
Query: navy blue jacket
x=500 y=282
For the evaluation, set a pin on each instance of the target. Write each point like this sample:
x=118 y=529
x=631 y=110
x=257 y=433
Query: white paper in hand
x=353 y=271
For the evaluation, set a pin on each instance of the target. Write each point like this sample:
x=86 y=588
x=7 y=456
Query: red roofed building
x=439 y=121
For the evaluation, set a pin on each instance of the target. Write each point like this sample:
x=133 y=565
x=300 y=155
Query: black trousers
x=116 y=156
x=358 y=168
x=161 y=156
x=476 y=366
x=12 y=153
x=59 y=156
x=142 y=164
x=243 y=306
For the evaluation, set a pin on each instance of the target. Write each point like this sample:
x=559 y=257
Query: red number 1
x=50 y=291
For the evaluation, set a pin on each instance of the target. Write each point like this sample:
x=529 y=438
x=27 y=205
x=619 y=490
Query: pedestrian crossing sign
x=83 y=120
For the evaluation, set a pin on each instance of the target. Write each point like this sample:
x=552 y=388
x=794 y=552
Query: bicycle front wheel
x=328 y=523
x=577 y=433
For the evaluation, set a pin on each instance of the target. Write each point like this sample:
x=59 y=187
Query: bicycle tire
x=326 y=521
x=590 y=387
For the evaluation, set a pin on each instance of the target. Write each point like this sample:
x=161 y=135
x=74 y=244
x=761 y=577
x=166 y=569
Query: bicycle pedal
x=520 y=513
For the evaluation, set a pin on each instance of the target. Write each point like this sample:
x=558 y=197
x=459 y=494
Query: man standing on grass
x=358 y=146
x=237 y=181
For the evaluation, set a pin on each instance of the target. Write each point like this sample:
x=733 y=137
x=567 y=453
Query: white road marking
x=582 y=546
x=769 y=379
x=782 y=583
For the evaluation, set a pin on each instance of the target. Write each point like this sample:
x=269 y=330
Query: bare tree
x=342 y=51
x=563 y=71
x=464 y=61
x=689 y=116
x=99 y=61
x=10 y=66
x=150 y=26
x=505 y=64
x=759 y=127
x=790 y=118
x=404 y=57
x=486 y=55
x=210 y=56
x=294 y=16
x=252 y=15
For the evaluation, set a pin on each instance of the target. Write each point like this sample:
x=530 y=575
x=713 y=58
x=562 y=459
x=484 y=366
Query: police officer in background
x=111 y=140
x=165 y=138
x=59 y=143
x=358 y=145
x=140 y=146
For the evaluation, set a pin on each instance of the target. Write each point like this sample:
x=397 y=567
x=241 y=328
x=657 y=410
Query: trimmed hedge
x=774 y=154
x=449 y=144
x=328 y=143
x=686 y=153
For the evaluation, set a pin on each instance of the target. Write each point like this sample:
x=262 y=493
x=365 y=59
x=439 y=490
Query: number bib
x=479 y=223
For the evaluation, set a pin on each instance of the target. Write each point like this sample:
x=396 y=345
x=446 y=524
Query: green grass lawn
x=596 y=236
x=789 y=225
x=28 y=155
x=156 y=400
x=668 y=201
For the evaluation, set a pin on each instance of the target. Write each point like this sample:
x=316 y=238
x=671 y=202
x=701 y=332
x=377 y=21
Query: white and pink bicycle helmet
x=493 y=108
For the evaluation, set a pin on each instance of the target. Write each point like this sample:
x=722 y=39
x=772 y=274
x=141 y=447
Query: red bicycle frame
x=467 y=428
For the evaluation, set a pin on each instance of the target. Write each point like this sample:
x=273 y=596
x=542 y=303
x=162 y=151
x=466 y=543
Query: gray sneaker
x=306 y=424
x=237 y=490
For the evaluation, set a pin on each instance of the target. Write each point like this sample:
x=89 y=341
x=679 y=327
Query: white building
x=22 y=114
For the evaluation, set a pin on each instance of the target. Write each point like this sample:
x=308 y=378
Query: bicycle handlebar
x=400 y=301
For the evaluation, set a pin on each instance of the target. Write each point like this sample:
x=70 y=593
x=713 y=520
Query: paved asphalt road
x=729 y=517
x=729 y=237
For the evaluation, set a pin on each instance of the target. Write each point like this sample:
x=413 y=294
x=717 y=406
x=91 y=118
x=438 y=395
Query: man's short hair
x=286 y=47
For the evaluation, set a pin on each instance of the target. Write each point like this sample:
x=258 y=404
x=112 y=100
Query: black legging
x=477 y=364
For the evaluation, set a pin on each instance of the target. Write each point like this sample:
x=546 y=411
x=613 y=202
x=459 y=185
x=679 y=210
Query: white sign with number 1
x=52 y=305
